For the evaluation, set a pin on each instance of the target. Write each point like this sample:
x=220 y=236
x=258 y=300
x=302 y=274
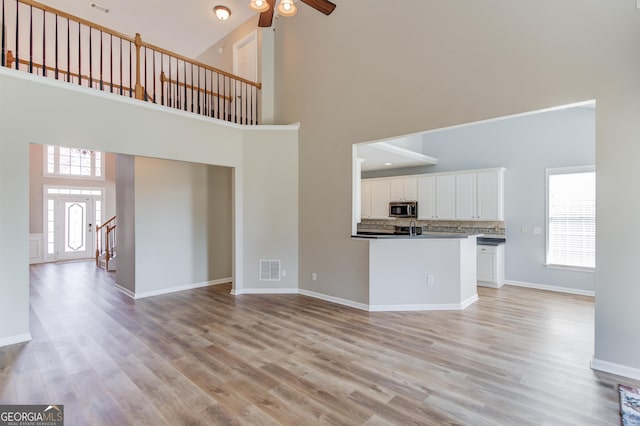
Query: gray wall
x=220 y=222
x=432 y=64
x=126 y=224
x=526 y=146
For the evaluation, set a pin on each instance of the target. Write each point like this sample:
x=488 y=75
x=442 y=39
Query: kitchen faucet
x=412 y=228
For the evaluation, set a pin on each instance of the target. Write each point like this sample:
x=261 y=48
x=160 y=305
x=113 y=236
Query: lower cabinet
x=490 y=264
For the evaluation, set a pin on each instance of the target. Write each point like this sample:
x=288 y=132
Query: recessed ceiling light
x=388 y=164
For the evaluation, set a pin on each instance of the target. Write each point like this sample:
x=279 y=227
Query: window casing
x=571 y=217
x=75 y=163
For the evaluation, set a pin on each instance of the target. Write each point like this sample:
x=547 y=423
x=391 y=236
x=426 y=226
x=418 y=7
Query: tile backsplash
x=468 y=227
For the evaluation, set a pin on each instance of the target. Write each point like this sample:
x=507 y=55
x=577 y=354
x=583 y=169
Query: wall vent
x=269 y=270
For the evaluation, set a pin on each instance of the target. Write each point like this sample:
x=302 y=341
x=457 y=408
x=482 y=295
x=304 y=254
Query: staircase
x=106 y=245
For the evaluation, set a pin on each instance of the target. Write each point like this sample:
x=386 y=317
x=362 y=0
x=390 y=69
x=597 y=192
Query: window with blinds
x=571 y=217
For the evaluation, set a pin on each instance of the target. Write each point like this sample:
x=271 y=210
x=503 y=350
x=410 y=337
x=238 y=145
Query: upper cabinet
x=404 y=189
x=464 y=195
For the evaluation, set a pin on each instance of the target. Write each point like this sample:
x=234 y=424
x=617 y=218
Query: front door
x=74 y=218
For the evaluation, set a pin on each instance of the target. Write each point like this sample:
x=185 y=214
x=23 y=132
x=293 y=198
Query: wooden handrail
x=164 y=79
x=200 y=64
x=77 y=19
x=11 y=59
x=98 y=228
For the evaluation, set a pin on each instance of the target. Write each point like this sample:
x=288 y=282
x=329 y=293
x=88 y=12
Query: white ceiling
x=184 y=27
x=386 y=155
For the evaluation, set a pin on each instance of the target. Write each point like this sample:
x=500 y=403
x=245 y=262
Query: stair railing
x=46 y=41
x=106 y=241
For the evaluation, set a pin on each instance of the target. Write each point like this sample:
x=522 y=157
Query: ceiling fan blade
x=266 y=18
x=324 y=6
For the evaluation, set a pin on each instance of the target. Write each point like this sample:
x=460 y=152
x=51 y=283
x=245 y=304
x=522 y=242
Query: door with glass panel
x=74 y=223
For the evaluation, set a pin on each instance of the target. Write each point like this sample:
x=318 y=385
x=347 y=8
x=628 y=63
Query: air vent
x=269 y=270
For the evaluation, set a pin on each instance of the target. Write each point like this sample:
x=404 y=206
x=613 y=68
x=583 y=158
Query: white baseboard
x=175 y=289
x=425 y=307
x=551 y=288
x=237 y=292
x=13 y=340
x=617 y=369
x=332 y=299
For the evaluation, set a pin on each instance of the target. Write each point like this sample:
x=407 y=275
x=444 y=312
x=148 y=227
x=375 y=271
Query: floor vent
x=269 y=270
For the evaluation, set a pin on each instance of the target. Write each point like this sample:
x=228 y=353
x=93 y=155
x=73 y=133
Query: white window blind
x=571 y=219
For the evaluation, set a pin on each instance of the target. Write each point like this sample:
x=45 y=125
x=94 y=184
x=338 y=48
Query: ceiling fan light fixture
x=222 y=12
x=287 y=8
x=259 y=5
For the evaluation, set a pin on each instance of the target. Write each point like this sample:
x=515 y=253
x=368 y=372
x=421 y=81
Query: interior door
x=74 y=218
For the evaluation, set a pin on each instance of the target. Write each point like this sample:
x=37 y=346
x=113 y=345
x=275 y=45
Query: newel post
x=138 y=88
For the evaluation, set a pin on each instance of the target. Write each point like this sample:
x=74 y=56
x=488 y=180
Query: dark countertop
x=490 y=241
x=424 y=236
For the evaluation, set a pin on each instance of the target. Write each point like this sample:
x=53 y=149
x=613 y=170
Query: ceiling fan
x=266 y=17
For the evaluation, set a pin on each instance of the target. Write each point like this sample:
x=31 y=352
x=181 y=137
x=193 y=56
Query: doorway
x=71 y=218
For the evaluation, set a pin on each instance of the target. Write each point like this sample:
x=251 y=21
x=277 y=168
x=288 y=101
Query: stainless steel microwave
x=403 y=209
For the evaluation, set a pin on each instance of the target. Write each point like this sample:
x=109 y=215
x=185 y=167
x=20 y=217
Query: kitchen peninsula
x=432 y=271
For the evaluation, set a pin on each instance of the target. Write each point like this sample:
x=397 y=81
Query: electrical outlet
x=537 y=230
x=524 y=229
x=430 y=279
x=314 y=276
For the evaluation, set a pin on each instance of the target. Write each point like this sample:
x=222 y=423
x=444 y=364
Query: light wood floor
x=516 y=357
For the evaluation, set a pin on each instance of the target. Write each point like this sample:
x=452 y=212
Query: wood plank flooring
x=516 y=357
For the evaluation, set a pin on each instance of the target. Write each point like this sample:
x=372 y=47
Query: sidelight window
x=571 y=217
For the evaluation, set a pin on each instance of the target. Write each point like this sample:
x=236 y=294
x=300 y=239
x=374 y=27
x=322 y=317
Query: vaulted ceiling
x=185 y=27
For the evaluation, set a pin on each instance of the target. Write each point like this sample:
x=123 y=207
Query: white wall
x=431 y=64
x=526 y=146
x=120 y=125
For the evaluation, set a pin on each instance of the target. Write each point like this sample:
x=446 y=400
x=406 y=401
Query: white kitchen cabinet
x=380 y=198
x=480 y=195
x=426 y=197
x=365 y=199
x=445 y=196
x=404 y=189
x=490 y=266
x=436 y=197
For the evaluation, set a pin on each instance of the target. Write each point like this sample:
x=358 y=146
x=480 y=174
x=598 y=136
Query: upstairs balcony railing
x=51 y=43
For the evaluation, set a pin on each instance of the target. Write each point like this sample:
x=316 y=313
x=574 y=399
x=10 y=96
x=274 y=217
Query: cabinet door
x=380 y=197
x=426 y=197
x=410 y=188
x=365 y=199
x=486 y=265
x=466 y=196
x=490 y=195
x=397 y=189
x=445 y=197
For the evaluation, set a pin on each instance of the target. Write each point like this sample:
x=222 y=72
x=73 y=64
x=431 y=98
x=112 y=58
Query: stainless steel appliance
x=403 y=209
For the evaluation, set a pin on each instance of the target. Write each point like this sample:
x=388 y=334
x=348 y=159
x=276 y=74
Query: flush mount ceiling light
x=222 y=12
x=287 y=8
x=259 y=5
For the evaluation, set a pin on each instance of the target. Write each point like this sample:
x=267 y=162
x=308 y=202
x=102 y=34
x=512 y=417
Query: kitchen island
x=432 y=271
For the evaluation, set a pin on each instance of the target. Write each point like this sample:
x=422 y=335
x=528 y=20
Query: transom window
x=73 y=162
x=571 y=217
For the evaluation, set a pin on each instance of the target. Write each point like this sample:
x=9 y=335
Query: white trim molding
x=35 y=248
x=264 y=291
x=169 y=290
x=425 y=307
x=333 y=299
x=14 y=340
x=617 y=369
x=551 y=288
